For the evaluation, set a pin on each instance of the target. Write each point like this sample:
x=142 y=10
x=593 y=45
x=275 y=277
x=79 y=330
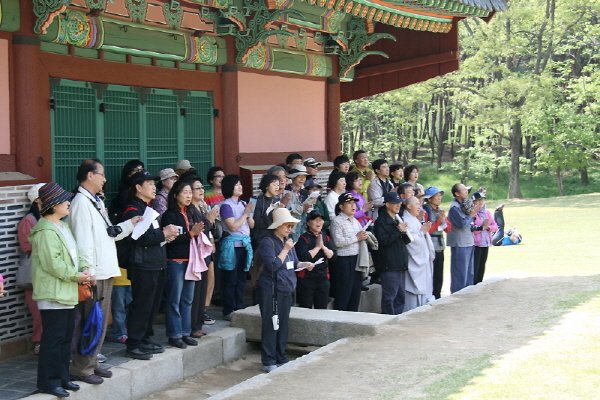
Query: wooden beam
x=406 y=64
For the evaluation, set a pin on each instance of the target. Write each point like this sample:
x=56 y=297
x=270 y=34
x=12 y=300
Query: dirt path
x=434 y=354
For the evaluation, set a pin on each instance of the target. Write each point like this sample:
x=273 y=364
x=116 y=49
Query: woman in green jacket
x=56 y=269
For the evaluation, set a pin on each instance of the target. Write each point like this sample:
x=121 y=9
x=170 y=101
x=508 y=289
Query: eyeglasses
x=198 y=188
x=138 y=169
x=219 y=176
x=98 y=173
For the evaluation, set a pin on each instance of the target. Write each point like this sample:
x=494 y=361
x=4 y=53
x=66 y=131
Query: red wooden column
x=230 y=116
x=333 y=130
x=31 y=101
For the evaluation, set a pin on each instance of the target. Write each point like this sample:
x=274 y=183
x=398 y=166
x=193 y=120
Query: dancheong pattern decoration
x=290 y=36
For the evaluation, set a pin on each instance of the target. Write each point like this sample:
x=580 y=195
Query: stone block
x=158 y=373
x=370 y=301
x=116 y=388
x=234 y=342
x=208 y=354
x=316 y=327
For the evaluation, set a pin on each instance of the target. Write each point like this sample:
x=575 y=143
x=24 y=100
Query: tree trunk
x=559 y=182
x=514 y=185
x=584 y=176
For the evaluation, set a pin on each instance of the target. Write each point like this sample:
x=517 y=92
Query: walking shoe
x=228 y=317
x=189 y=341
x=208 y=320
x=269 y=368
x=57 y=391
x=101 y=358
x=153 y=348
x=91 y=379
x=104 y=373
x=177 y=343
x=199 y=334
x=36 y=349
x=138 y=354
x=122 y=339
x=71 y=386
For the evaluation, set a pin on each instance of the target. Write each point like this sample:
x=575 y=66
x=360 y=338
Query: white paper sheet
x=319 y=261
x=149 y=216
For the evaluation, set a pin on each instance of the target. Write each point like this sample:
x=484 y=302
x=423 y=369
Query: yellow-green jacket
x=53 y=273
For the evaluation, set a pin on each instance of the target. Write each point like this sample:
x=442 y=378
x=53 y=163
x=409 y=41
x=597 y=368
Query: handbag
x=85 y=291
x=23 y=278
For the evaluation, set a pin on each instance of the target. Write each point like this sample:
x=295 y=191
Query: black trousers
x=313 y=292
x=348 y=283
x=479 y=260
x=55 y=348
x=199 y=302
x=438 y=274
x=499 y=235
x=272 y=341
x=146 y=290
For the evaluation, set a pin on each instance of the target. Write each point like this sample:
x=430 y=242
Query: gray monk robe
x=419 y=279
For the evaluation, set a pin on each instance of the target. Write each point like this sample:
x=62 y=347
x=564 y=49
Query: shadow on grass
x=528 y=309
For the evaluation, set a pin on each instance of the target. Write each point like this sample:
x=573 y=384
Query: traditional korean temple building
x=236 y=83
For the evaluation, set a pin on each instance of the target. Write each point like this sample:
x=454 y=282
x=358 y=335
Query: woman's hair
x=35 y=210
x=275 y=169
x=351 y=177
x=190 y=176
x=334 y=177
x=339 y=160
x=408 y=170
x=49 y=211
x=127 y=169
x=228 y=185
x=172 y=197
x=210 y=175
x=266 y=180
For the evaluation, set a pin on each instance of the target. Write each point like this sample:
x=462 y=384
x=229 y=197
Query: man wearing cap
x=419 y=279
x=182 y=166
x=298 y=205
x=346 y=232
x=440 y=224
x=379 y=186
x=392 y=256
x=484 y=228
x=147 y=270
x=89 y=221
x=312 y=168
x=313 y=286
x=460 y=239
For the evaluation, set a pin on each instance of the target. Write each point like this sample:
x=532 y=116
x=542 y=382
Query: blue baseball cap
x=392 y=197
x=432 y=191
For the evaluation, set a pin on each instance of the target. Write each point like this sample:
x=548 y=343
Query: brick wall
x=15 y=320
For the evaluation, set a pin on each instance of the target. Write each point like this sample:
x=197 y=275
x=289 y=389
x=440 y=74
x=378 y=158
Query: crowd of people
x=185 y=247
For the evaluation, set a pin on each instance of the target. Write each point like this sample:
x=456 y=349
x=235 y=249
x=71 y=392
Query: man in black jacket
x=392 y=255
x=146 y=271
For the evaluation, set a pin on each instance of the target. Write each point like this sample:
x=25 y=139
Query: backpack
x=91 y=331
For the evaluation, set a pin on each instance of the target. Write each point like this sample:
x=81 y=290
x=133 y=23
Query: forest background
x=524 y=106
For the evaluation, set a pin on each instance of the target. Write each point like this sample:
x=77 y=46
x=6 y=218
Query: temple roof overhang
x=300 y=37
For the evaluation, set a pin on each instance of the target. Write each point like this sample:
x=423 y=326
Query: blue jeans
x=121 y=297
x=180 y=294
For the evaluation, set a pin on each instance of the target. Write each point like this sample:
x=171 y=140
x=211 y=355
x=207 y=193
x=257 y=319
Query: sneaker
x=208 y=320
x=122 y=339
x=152 y=348
x=101 y=358
x=138 y=354
x=269 y=368
x=228 y=317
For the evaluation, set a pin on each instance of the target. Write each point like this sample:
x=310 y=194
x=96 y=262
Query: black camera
x=114 y=231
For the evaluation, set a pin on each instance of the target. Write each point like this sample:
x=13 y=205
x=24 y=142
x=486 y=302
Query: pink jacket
x=484 y=238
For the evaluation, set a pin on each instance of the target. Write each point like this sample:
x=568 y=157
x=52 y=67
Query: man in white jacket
x=89 y=222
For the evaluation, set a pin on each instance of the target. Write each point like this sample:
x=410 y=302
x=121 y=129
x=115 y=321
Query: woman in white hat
x=277 y=283
x=168 y=177
x=24 y=272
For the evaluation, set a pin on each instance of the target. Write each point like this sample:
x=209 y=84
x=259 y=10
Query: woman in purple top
x=236 y=250
x=354 y=185
x=483 y=229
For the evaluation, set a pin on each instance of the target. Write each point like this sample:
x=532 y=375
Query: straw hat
x=282 y=216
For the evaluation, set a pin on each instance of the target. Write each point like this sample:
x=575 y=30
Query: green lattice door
x=118 y=123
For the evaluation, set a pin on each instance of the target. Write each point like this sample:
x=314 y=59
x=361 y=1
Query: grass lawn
x=561 y=238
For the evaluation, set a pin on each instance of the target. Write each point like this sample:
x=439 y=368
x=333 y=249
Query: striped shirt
x=343 y=233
